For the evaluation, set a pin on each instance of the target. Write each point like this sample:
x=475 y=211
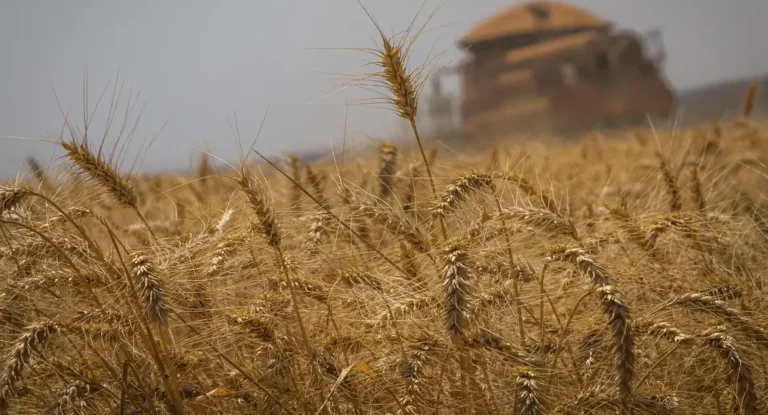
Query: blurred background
x=191 y=65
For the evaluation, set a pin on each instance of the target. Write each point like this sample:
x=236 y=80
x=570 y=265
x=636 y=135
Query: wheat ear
x=106 y=175
x=403 y=87
x=665 y=224
x=32 y=341
x=739 y=371
x=670 y=182
x=457 y=192
x=259 y=205
x=74 y=392
x=221 y=225
x=697 y=189
x=618 y=317
x=272 y=234
x=719 y=308
x=539 y=219
x=387 y=168
x=523 y=184
x=151 y=290
x=405 y=94
x=458 y=273
x=412 y=372
x=528 y=394
x=10 y=197
x=662 y=330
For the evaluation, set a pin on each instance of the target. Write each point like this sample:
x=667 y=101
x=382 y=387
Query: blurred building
x=554 y=67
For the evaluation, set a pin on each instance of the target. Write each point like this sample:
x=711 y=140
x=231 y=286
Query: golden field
x=612 y=274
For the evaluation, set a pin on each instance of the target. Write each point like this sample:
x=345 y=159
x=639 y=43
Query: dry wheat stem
x=168 y=377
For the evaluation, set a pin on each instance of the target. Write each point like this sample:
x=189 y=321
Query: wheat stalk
x=403 y=86
x=318 y=230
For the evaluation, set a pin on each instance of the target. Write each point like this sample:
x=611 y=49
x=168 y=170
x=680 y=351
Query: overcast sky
x=197 y=62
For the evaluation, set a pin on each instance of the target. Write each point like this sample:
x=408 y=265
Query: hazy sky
x=197 y=62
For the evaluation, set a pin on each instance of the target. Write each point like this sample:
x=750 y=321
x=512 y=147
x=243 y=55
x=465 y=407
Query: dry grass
x=568 y=277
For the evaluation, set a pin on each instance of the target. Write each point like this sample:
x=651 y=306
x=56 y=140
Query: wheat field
x=613 y=274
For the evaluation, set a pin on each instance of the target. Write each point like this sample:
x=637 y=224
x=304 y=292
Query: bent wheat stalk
x=618 y=317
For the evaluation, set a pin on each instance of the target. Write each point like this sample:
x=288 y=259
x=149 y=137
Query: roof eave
x=467 y=42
